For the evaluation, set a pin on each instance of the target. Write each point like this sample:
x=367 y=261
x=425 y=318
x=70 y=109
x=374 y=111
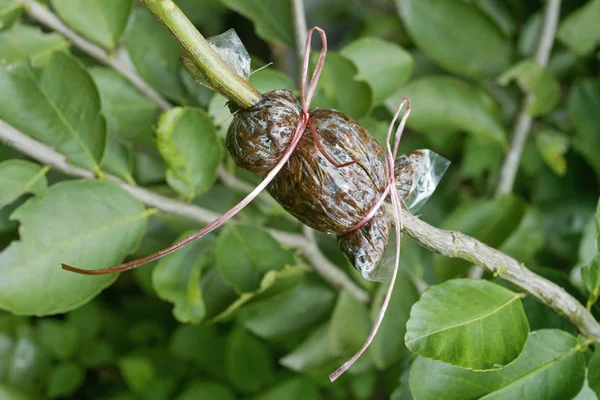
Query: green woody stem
x=215 y=70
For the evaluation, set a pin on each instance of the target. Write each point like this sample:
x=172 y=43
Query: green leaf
x=58 y=338
x=29 y=363
x=312 y=353
x=388 y=346
x=383 y=65
x=457 y=35
x=7 y=345
x=256 y=253
x=65 y=379
x=537 y=81
x=138 y=372
x=339 y=88
x=101 y=21
x=553 y=146
x=248 y=362
x=349 y=326
x=273 y=282
x=591 y=279
x=272 y=18
x=18 y=177
x=291 y=311
x=491 y=221
x=89 y=224
x=12 y=393
x=583 y=104
x=24 y=42
x=203 y=346
x=130 y=114
x=204 y=390
x=299 y=388
x=470 y=323
x=551 y=367
x=176 y=278
x=187 y=140
x=61 y=109
x=443 y=105
x=500 y=12
x=155 y=54
x=527 y=238
x=593 y=375
x=118 y=159
x=480 y=156
x=10 y=11
x=210 y=16
x=580 y=31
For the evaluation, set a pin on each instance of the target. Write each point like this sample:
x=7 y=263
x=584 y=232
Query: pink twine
x=297 y=136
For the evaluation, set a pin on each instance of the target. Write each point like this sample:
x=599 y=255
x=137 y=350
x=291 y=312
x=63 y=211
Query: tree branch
x=510 y=166
x=216 y=71
x=120 y=63
x=300 y=31
x=458 y=245
x=46 y=155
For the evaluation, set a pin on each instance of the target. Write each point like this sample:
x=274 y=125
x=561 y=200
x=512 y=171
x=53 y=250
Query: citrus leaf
x=187 y=140
x=590 y=274
x=527 y=238
x=58 y=338
x=288 y=312
x=457 y=35
x=272 y=18
x=443 y=104
x=155 y=54
x=383 y=65
x=101 y=21
x=18 y=177
x=312 y=353
x=62 y=109
x=90 y=224
x=349 y=325
x=340 y=89
x=204 y=390
x=118 y=159
x=299 y=388
x=248 y=362
x=10 y=11
x=256 y=254
x=470 y=323
x=537 y=81
x=24 y=42
x=583 y=104
x=130 y=115
x=553 y=146
x=176 y=278
x=65 y=379
x=580 y=30
x=593 y=376
x=550 y=367
x=274 y=281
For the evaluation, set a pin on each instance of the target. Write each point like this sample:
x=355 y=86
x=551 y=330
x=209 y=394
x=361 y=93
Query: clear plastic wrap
x=232 y=50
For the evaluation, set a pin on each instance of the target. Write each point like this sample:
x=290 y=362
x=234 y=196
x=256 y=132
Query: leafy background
x=238 y=315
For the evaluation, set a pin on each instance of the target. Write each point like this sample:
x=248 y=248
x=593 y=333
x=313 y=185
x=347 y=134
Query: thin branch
x=120 y=63
x=458 y=245
x=300 y=30
x=46 y=155
x=510 y=166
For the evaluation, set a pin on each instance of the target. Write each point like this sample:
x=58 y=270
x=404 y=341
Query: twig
x=458 y=245
x=120 y=63
x=299 y=32
x=510 y=166
x=56 y=160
